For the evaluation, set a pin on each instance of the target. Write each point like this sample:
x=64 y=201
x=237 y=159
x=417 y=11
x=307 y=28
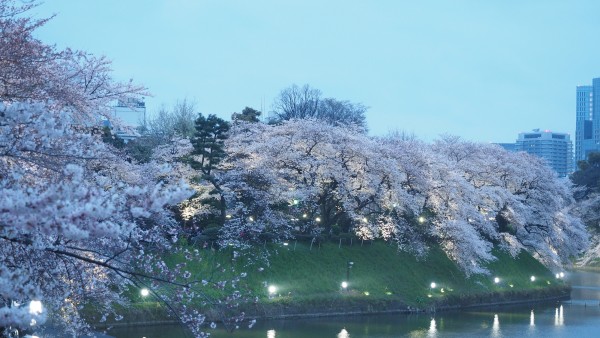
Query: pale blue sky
x=482 y=70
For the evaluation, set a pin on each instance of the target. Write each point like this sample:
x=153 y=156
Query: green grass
x=385 y=273
x=310 y=279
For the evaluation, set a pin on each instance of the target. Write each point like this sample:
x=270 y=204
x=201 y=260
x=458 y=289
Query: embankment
x=307 y=282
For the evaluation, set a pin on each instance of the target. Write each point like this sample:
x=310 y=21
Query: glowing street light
x=433 y=285
x=144 y=292
x=532 y=278
x=318 y=219
x=272 y=289
x=496 y=280
x=421 y=219
x=562 y=275
x=344 y=285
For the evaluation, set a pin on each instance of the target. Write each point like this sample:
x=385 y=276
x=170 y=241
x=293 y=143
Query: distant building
x=555 y=148
x=132 y=116
x=587 y=120
x=508 y=146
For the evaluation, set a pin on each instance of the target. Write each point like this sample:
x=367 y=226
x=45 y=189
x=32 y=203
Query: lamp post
x=348 y=267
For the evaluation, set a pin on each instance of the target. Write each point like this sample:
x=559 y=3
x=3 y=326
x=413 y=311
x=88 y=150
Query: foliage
x=167 y=127
x=588 y=176
x=587 y=194
x=248 y=115
x=79 y=224
x=177 y=122
x=305 y=177
x=208 y=151
x=306 y=103
x=65 y=80
x=110 y=138
x=208 y=142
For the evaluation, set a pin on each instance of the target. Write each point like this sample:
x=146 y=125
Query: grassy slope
x=308 y=280
x=385 y=273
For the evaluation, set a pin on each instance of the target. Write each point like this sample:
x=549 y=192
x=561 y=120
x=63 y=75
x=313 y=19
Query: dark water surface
x=577 y=318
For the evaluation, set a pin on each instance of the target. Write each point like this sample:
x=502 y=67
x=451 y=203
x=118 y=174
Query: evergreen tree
x=208 y=142
x=248 y=115
x=588 y=176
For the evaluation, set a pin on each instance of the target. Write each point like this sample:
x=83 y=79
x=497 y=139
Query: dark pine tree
x=209 y=150
x=208 y=142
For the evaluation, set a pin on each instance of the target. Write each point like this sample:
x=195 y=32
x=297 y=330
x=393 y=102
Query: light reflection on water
x=532 y=318
x=559 y=319
x=496 y=327
x=539 y=320
x=531 y=330
x=343 y=334
x=432 y=329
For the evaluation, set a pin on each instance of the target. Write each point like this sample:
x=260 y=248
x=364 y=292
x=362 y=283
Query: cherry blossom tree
x=588 y=202
x=65 y=80
x=514 y=198
x=306 y=177
x=79 y=224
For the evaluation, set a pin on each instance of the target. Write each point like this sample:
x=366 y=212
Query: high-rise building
x=587 y=120
x=555 y=148
x=508 y=146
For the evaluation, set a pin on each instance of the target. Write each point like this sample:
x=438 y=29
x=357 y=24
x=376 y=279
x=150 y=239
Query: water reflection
x=531 y=330
x=559 y=319
x=432 y=332
x=271 y=334
x=532 y=319
x=343 y=334
x=496 y=327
